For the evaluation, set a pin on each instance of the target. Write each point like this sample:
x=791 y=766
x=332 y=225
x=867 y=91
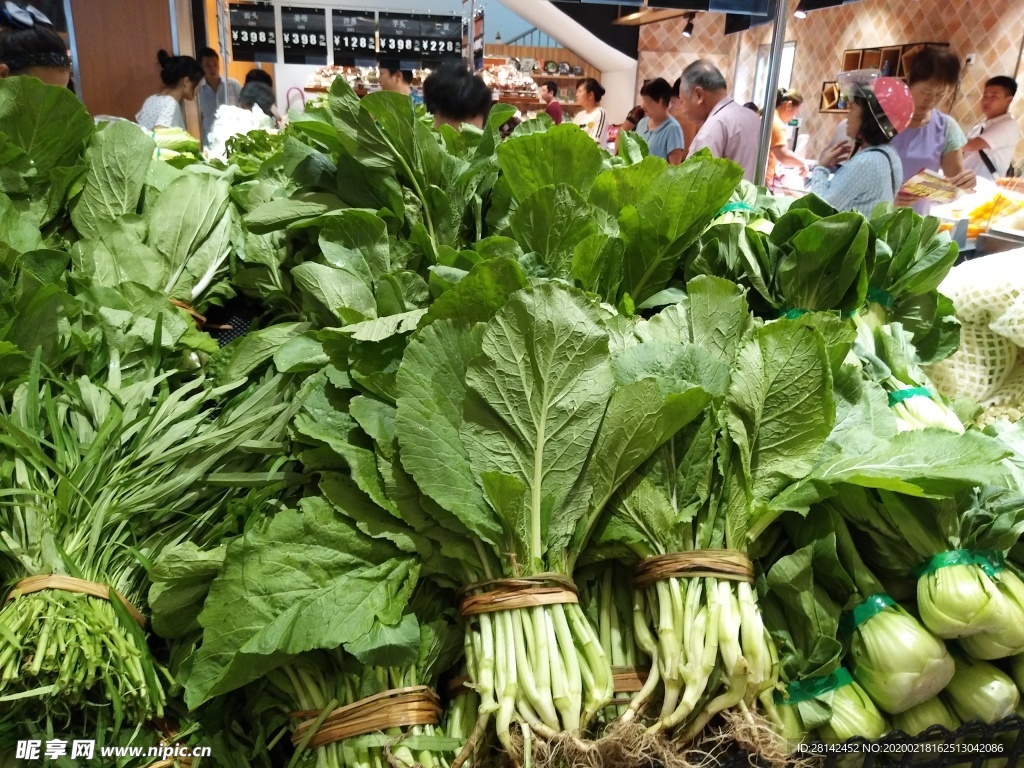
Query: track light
x=801 y=10
x=688 y=29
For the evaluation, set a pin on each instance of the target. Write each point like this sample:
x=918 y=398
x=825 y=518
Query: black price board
x=355 y=37
x=399 y=36
x=304 y=32
x=253 y=35
x=442 y=39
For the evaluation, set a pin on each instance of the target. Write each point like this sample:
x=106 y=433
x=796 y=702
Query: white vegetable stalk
x=917 y=408
x=956 y=598
x=1008 y=638
x=896 y=660
x=924 y=716
x=980 y=691
x=853 y=714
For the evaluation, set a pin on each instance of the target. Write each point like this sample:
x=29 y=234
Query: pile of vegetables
x=529 y=453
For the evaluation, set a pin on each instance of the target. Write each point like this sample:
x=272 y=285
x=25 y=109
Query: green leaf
x=306 y=580
x=780 y=411
x=181 y=579
x=48 y=123
x=550 y=222
x=118 y=157
x=337 y=294
x=388 y=646
x=826 y=268
x=278 y=214
x=537 y=393
x=357 y=241
x=561 y=155
x=384 y=327
x=668 y=216
x=243 y=356
x=431 y=390
x=480 y=294
x=301 y=353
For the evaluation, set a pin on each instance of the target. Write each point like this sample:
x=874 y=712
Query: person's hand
x=834 y=155
x=967 y=181
x=903 y=200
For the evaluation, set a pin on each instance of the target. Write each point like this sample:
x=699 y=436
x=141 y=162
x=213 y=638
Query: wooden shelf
x=894 y=60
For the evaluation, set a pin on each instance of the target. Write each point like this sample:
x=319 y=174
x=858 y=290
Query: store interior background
x=118 y=70
x=991 y=29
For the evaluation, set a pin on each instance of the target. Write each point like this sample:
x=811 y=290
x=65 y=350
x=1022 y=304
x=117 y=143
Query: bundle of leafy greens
x=820 y=694
x=911 y=258
x=321 y=684
x=702 y=490
x=890 y=655
x=955 y=547
x=519 y=431
x=98 y=480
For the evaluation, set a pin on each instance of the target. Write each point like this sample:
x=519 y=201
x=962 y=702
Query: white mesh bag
x=985 y=289
x=979 y=368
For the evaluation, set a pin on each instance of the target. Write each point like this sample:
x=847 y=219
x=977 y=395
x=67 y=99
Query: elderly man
x=728 y=129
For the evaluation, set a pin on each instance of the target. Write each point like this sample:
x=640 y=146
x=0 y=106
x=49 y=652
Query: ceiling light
x=688 y=29
x=801 y=10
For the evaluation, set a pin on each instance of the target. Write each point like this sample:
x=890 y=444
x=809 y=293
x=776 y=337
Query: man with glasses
x=991 y=143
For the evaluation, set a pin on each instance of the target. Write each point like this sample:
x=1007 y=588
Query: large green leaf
x=550 y=222
x=53 y=131
x=537 y=393
x=118 y=159
x=668 y=217
x=826 y=268
x=307 y=580
x=561 y=155
x=780 y=411
x=338 y=294
x=431 y=390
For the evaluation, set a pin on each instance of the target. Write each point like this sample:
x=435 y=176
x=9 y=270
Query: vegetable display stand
x=972 y=745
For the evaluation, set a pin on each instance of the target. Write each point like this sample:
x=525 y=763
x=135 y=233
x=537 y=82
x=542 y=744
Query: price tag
x=355 y=36
x=304 y=32
x=441 y=39
x=398 y=35
x=253 y=34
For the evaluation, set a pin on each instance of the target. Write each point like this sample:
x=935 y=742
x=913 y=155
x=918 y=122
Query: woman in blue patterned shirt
x=873 y=173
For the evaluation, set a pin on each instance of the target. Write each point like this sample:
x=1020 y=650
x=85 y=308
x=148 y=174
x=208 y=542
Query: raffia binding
x=397 y=708
x=508 y=594
x=70 y=584
x=715 y=563
x=629 y=679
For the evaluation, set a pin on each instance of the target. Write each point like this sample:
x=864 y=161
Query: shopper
x=873 y=175
x=728 y=129
x=787 y=107
x=933 y=141
x=549 y=97
x=181 y=76
x=675 y=108
x=991 y=143
x=397 y=80
x=257 y=75
x=591 y=117
x=454 y=96
x=215 y=91
x=659 y=129
x=30 y=47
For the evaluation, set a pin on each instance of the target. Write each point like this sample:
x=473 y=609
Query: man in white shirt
x=729 y=130
x=215 y=91
x=991 y=143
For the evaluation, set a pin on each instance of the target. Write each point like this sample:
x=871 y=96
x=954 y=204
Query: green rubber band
x=865 y=611
x=897 y=397
x=814 y=687
x=738 y=205
x=795 y=314
x=990 y=561
x=879 y=296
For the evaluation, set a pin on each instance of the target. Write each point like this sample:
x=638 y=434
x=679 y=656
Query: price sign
x=399 y=35
x=253 y=34
x=355 y=37
x=442 y=39
x=304 y=31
